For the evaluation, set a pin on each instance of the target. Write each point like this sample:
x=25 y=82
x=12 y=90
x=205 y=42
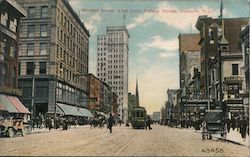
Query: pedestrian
x=148 y=122
x=50 y=123
x=110 y=122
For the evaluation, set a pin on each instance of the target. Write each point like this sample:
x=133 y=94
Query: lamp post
x=55 y=82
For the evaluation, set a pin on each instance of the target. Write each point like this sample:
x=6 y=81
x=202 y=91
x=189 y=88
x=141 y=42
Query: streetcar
x=137 y=118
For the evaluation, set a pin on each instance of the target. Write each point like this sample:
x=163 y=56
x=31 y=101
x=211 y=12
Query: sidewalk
x=235 y=136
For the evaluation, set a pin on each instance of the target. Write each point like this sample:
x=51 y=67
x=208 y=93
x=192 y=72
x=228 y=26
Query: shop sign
x=11 y=91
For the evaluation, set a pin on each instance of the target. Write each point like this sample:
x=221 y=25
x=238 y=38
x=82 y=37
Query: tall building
x=10 y=14
x=112 y=64
x=54 y=52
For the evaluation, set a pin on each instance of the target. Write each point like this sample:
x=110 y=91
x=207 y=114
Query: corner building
x=54 y=52
x=112 y=64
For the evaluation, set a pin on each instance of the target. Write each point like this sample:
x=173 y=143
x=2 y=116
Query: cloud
x=167 y=54
x=141 y=19
x=157 y=42
x=91 y=22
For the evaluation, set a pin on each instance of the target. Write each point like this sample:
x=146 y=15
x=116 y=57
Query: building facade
x=244 y=38
x=10 y=13
x=10 y=105
x=211 y=33
x=54 y=50
x=173 y=108
x=95 y=90
x=189 y=51
x=112 y=64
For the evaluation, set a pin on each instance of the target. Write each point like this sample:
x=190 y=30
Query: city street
x=124 y=141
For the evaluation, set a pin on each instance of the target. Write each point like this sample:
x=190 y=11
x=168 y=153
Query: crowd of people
x=239 y=122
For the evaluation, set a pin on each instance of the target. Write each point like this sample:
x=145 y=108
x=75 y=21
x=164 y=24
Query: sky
x=154 y=27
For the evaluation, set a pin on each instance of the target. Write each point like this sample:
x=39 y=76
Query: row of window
x=3 y=75
x=101 y=54
x=115 y=34
x=115 y=46
x=115 y=61
x=7 y=50
x=101 y=59
x=32 y=30
x=100 y=49
x=64 y=21
x=32 y=12
x=9 y=22
x=115 y=50
x=43 y=49
x=101 y=43
x=73 y=47
x=30 y=68
x=115 y=39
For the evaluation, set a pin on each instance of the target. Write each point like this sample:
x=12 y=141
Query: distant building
x=156 y=117
x=174 y=108
x=53 y=55
x=112 y=64
x=95 y=92
x=131 y=103
x=189 y=58
x=101 y=97
x=163 y=115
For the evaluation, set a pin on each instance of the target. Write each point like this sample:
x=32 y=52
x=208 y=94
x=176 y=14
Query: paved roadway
x=124 y=141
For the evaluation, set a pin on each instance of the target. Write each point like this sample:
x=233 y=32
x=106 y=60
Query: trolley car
x=138 y=116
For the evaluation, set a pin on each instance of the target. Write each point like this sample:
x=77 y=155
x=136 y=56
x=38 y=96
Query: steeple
x=137 y=103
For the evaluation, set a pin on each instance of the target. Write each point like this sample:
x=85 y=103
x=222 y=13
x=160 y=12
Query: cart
x=213 y=123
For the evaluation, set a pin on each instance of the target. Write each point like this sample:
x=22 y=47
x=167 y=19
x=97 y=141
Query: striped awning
x=74 y=110
x=12 y=104
x=85 y=112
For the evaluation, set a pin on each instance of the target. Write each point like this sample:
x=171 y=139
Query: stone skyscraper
x=112 y=64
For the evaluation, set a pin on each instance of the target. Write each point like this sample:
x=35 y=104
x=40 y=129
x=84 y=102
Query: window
x=14 y=77
x=30 y=49
x=3 y=74
x=44 y=11
x=43 y=49
x=42 y=69
x=31 y=12
x=4 y=18
x=31 y=30
x=30 y=66
x=19 y=69
x=12 y=51
x=42 y=92
x=235 y=69
x=44 y=30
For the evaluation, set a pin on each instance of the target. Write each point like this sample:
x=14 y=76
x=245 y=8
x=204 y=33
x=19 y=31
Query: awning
x=12 y=104
x=69 y=110
x=85 y=112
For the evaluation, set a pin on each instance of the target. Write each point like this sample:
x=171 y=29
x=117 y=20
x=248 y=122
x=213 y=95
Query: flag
x=221 y=8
